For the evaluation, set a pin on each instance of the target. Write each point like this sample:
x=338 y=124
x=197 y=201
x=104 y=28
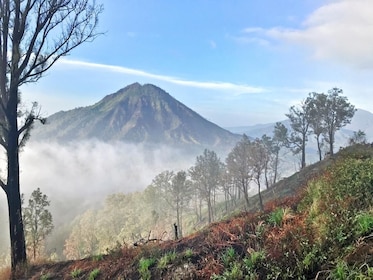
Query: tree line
x=212 y=187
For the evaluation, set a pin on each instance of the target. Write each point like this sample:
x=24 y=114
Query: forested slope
x=317 y=223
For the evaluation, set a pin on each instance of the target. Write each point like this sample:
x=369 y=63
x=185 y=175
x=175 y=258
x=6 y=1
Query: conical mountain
x=136 y=114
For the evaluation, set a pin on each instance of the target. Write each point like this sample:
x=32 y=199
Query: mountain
x=135 y=114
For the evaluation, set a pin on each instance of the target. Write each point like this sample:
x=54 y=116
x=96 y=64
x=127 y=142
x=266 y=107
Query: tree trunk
x=303 y=164
x=260 y=196
x=17 y=238
x=275 y=168
x=209 y=208
x=319 y=147
x=246 y=195
x=331 y=143
x=12 y=189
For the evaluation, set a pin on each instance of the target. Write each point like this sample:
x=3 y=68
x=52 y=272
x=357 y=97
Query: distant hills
x=362 y=120
x=136 y=114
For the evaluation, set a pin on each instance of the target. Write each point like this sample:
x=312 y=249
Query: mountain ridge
x=136 y=114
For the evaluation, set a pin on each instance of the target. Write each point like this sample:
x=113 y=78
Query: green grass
x=76 y=273
x=166 y=259
x=94 y=273
x=144 y=267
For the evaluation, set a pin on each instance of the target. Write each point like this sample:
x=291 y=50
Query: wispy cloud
x=234 y=88
x=339 y=31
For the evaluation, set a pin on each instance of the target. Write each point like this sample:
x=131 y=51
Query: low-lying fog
x=80 y=175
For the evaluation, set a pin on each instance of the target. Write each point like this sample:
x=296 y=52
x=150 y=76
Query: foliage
x=144 y=267
x=239 y=166
x=206 y=174
x=76 y=273
x=37 y=221
x=166 y=259
x=188 y=254
x=97 y=258
x=337 y=114
x=93 y=274
x=45 y=277
x=364 y=223
x=358 y=137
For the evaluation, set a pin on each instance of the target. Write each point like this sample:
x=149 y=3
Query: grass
x=94 y=273
x=76 y=273
x=144 y=267
x=166 y=259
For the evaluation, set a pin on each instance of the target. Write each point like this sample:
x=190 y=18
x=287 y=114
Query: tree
x=299 y=122
x=82 y=241
x=206 y=174
x=259 y=158
x=175 y=190
x=239 y=165
x=339 y=113
x=279 y=140
x=316 y=103
x=358 y=137
x=34 y=34
x=37 y=221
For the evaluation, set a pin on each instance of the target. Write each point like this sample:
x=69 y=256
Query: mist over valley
x=120 y=144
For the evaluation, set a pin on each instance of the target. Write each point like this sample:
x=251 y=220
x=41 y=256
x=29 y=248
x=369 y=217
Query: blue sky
x=234 y=62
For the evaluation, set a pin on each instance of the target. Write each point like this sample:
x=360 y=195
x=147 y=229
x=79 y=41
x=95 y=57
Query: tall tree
x=259 y=158
x=269 y=149
x=206 y=173
x=317 y=108
x=239 y=165
x=339 y=113
x=175 y=191
x=279 y=140
x=34 y=34
x=299 y=122
x=37 y=220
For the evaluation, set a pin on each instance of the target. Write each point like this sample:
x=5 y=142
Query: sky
x=236 y=63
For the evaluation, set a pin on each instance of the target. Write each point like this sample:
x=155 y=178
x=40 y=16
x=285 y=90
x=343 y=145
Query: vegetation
x=323 y=114
x=323 y=230
x=38 y=222
x=34 y=35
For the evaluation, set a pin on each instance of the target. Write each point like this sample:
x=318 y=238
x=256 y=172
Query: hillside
x=135 y=114
x=318 y=223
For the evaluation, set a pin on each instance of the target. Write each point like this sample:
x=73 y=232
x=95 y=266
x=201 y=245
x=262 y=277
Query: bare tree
x=34 y=34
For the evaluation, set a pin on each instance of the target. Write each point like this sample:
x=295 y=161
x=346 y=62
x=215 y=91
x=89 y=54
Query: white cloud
x=225 y=86
x=341 y=31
